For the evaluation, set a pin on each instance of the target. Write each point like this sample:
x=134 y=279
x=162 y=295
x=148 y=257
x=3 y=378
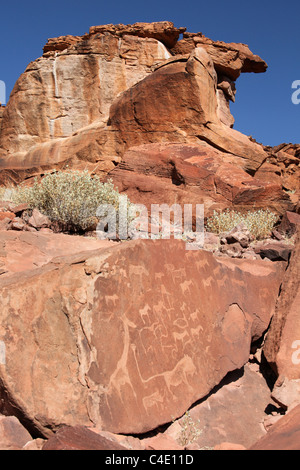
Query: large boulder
x=230 y=59
x=13 y=436
x=127 y=337
x=282 y=346
x=234 y=412
x=24 y=251
x=197 y=173
x=2 y=108
x=90 y=98
x=178 y=103
x=73 y=85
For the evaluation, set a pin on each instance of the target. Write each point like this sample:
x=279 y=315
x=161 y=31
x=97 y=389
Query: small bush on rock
x=69 y=198
x=190 y=430
x=259 y=223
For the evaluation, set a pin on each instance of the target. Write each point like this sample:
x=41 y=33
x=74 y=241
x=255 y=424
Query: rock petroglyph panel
x=128 y=336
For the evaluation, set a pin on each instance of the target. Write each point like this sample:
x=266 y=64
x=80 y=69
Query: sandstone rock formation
x=230 y=60
x=71 y=105
x=128 y=353
x=89 y=99
x=192 y=173
x=1 y=113
x=178 y=102
x=243 y=393
x=13 y=436
x=285 y=435
x=283 y=341
x=80 y=438
x=99 y=337
x=283 y=163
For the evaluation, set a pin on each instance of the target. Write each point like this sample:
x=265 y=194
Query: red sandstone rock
x=233 y=413
x=230 y=59
x=191 y=174
x=80 y=438
x=127 y=353
x=25 y=251
x=38 y=220
x=61 y=43
x=171 y=104
x=289 y=223
x=2 y=108
x=275 y=250
x=181 y=102
x=163 y=31
x=282 y=165
x=7 y=215
x=35 y=444
x=13 y=436
x=74 y=88
x=229 y=446
x=282 y=344
x=161 y=442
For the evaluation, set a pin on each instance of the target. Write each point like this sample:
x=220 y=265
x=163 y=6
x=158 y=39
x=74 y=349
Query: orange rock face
x=230 y=59
x=74 y=84
x=178 y=103
x=192 y=174
x=127 y=337
x=85 y=101
x=282 y=348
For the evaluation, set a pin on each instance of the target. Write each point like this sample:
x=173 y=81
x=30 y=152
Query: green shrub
x=69 y=198
x=259 y=223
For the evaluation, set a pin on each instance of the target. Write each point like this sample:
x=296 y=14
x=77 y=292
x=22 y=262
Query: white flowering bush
x=190 y=430
x=69 y=198
x=259 y=222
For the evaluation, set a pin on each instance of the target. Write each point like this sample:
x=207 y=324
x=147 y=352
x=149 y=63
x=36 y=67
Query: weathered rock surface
x=284 y=435
x=80 y=438
x=289 y=223
x=1 y=114
x=230 y=59
x=70 y=87
x=26 y=251
x=192 y=174
x=283 y=163
x=282 y=347
x=127 y=337
x=233 y=413
x=178 y=103
x=229 y=446
x=13 y=436
x=274 y=250
x=89 y=98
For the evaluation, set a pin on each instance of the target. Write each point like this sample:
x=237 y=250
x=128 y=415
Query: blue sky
x=263 y=107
